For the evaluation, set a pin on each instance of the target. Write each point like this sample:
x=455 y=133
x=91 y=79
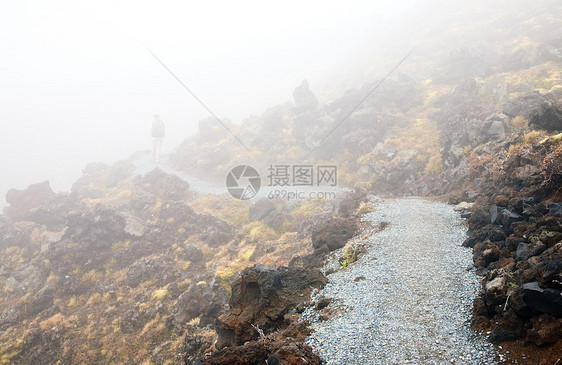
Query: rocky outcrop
x=262 y=296
x=130 y=240
x=202 y=300
x=517 y=243
x=547 y=300
x=334 y=234
x=258 y=325
x=166 y=186
x=132 y=250
x=528 y=104
x=24 y=202
x=548 y=117
x=278 y=349
x=304 y=98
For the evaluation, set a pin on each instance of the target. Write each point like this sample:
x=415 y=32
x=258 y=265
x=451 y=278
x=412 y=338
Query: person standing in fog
x=157 y=131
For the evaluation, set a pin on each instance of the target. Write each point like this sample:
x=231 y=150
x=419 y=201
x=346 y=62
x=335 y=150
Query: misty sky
x=79 y=86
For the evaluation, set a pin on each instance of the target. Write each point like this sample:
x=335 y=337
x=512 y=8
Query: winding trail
x=408 y=300
x=143 y=164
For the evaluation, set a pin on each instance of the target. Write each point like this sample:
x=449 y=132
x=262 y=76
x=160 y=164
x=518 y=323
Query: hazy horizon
x=80 y=85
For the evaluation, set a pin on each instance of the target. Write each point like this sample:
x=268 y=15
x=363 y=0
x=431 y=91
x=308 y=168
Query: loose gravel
x=408 y=300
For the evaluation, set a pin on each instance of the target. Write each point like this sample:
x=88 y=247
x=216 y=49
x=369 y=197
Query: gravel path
x=408 y=300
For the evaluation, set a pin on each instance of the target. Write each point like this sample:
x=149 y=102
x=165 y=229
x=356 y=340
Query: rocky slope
x=515 y=231
x=125 y=267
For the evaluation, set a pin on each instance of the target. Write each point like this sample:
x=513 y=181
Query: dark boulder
x=134 y=226
x=262 y=296
x=285 y=347
x=495 y=130
x=294 y=353
x=253 y=352
x=88 y=239
x=495 y=234
x=53 y=215
x=548 y=117
x=314 y=260
x=522 y=253
x=538 y=249
x=350 y=203
x=543 y=300
x=525 y=105
x=96 y=229
x=496 y=291
x=503 y=217
x=512 y=242
x=546 y=268
x=313 y=223
x=491 y=254
x=335 y=233
x=555 y=208
x=211 y=230
x=478 y=218
x=275 y=352
x=192 y=253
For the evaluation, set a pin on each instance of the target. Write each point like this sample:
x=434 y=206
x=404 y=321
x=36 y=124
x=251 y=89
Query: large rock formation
x=258 y=326
x=24 y=202
x=304 y=98
x=262 y=296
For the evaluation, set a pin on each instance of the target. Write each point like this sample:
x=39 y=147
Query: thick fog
x=79 y=84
